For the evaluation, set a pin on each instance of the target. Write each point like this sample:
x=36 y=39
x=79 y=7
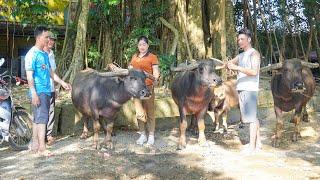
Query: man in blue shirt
x=38 y=74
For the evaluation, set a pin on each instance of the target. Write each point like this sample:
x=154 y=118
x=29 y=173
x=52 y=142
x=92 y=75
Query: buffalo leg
x=279 y=127
x=85 y=131
x=201 y=127
x=296 y=120
x=107 y=133
x=224 y=122
x=218 y=115
x=96 y=128
x=183 y=126
x=305 y=116
x=193 y=127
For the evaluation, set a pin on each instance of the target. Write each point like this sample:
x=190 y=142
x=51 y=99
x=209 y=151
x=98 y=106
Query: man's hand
x=35 y=99
x=232 y=66
x=66 y=86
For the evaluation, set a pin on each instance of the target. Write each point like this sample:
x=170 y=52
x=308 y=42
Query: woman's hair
x=245 y=31
x=144 y=38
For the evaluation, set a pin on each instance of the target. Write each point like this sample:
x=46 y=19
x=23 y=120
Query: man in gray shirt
x=48 y=49
x=247 y=64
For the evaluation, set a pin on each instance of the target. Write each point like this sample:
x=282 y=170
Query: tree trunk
x=214 y=13
x=182 y=19
x=255 y=37
x=194 y=29
x=176 y=35
x=136 y=9
x=309 y=40
x=68 y=44
x=267 y=31
x=223 y=35
x=80 y=42
x=205 y=9
x=231 y=37
x=245 y=13
x=107 y=48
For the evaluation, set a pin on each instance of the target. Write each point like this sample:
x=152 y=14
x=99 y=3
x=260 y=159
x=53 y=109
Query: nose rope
x=306 y=95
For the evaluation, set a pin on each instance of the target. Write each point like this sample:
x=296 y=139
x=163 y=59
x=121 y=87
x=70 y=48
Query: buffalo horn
x=219 y=64
x=271 y=67
x=184 y=66
x=122 y=72
x=310 y=65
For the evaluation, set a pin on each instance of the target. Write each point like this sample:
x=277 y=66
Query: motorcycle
x=15 y=122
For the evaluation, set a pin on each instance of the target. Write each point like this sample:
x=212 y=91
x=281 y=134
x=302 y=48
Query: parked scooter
x=15 y=122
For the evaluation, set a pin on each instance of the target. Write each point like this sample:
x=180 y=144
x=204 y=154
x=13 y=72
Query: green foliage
x=32 y=12
x=93 y=55
x=150 y=14
x=165 y=61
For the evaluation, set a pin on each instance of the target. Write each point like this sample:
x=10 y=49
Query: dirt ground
x=219 y=159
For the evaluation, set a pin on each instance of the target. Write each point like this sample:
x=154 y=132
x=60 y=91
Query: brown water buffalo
x=98 y=95
x=292 y=88
x=225 y=98
x=191 y=91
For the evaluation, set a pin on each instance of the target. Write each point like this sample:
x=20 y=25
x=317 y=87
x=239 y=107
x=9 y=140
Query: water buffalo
x=292 y=88
x=98 y=95
x=225 y=98
x=191 y=91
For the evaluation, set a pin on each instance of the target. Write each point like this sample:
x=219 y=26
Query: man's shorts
x=248 y=106
x=41 y=112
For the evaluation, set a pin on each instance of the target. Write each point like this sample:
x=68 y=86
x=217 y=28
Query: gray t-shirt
x=245 y=82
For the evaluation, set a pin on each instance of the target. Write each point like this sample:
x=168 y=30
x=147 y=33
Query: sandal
x=46 y=153
x=51 y=140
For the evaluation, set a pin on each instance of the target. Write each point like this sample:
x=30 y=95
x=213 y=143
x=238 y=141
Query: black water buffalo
x=191 y=91
x=292 y=88
x=98 y=95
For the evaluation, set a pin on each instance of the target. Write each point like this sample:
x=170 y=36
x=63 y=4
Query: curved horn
x=271 y=67
x=122 y=72
x=184 y=66
x=309 y=64
x=217 y=61
x=219 y=64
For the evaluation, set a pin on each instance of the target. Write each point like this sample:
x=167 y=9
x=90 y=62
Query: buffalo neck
x=196 y=86
x=121 y=94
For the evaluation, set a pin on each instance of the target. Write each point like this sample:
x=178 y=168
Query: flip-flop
x=46 y=153
x=51 y=141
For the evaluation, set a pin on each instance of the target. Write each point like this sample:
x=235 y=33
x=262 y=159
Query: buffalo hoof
x=108 y=145
x=296 y=137
x=181 y=146
x=275 y=141
x=202 y=141
x=96 y=146
x=305 y=118
x=84 y=135
x=193 y=130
